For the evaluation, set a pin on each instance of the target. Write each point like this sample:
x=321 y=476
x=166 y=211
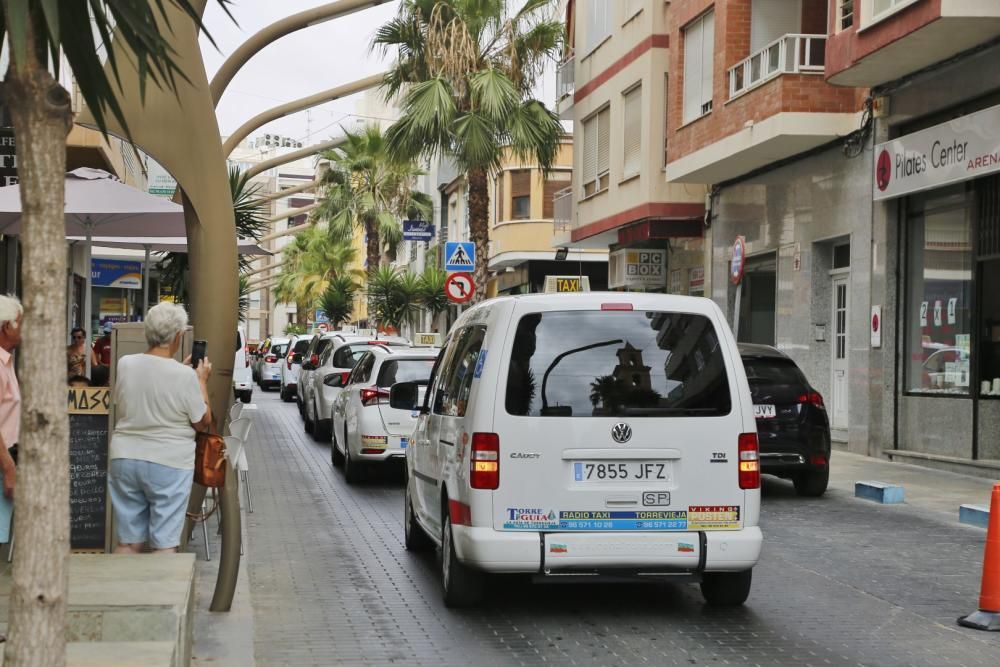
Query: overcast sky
x=302 y=63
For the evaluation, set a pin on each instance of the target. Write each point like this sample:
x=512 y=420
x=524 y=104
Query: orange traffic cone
x=988 y=615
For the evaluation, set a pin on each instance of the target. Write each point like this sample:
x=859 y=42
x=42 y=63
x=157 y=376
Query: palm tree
x=432 y=296
x=366 y=189
x=312 y=261
x=466 y=70
x=338 y=299
x=251 y=223
x=42 y=115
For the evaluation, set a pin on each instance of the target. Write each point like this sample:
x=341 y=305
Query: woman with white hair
x=160 y=405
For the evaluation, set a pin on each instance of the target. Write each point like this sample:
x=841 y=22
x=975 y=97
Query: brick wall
x=785 y=93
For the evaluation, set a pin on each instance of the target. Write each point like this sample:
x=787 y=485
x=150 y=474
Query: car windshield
x=616 y=363
x=773 y=370
x=404 y=370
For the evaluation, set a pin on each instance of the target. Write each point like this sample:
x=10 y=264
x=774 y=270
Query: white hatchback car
x=366 y=429
x=586 y=434
x=269 y=366
x=335 y=365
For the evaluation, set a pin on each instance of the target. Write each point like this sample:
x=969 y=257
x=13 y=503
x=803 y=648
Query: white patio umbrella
x=161 y=244
x=96 y=202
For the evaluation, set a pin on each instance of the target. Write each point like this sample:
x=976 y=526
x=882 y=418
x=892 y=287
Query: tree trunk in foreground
x=42 y=118
x=479 y=229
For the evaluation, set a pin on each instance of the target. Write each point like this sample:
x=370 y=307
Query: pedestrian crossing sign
x=460 y=256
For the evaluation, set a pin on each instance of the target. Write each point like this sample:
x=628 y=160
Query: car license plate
x=764 y=411
x=275 y=376
x=403 y=442
x=620 y=471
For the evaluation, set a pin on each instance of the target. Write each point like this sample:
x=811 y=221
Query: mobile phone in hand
x=198 y=351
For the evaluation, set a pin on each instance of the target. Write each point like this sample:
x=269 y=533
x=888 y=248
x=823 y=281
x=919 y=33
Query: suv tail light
x=371 y=395
x=813 y=398
x=314 y=360
x=485 y=461
x=343 y=378
x=749 y=461
x=270 y=359
x=288 y=360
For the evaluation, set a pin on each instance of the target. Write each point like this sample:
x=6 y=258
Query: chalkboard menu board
x=88 y=466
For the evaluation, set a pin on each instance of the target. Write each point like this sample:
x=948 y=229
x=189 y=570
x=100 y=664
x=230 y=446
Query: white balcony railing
x=789 y=54
x=565 y=77
x=562 y=209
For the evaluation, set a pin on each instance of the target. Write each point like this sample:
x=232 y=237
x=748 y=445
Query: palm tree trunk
x=42 y=117
x=373 y=250
x=479 y=229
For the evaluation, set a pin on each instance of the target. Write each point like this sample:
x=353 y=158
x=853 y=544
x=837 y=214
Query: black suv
x=792 y=426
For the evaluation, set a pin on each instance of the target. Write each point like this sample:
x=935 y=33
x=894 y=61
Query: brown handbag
x=209 y=467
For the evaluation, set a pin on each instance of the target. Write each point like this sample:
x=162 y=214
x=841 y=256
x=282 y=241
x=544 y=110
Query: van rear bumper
x=515 y=551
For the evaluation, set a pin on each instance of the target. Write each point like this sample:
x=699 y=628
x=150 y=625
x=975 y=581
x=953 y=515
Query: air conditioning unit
x=555 y=284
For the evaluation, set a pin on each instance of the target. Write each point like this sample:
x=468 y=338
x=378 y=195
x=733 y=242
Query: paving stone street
x=841 y=582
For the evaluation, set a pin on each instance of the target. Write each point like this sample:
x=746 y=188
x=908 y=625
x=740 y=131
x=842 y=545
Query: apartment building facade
x=614 y=84
x=932 y=181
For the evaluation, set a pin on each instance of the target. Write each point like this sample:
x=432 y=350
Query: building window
x=699 y=50
x=845 y=11
x=632 y=137
x=553 y=184
x=599 y=14
x=880 y=7
x=596 y=152
x=939 y=270
x=520 y=194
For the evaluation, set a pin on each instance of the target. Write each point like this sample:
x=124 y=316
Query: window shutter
x=551 y=188
x=520 y=183
x=707 y=61
x=589 y=150
x=692 y=71
x=632 y=140
x=603 y=146
x=500 y=200
x=770 y=19
x=597 y=23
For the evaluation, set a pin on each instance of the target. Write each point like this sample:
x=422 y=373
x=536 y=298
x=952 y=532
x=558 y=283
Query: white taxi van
x=586 y=434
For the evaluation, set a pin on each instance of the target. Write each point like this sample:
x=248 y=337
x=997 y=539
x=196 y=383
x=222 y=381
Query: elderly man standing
x=11 y=314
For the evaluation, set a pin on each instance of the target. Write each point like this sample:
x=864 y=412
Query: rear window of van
x=616 y=364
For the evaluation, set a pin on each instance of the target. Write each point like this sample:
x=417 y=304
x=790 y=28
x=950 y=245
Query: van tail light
x=314 y=360
x=371 y=395
x=749 y=461
x=813 y=398
x=246 y=356
x=616 y=306
x=485 y=461
x=270 y=359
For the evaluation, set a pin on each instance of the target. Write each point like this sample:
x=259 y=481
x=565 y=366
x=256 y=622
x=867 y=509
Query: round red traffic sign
x=883 y=170
x=739 y=261
x=323 y=326
x=875 y=323
x=459 y=287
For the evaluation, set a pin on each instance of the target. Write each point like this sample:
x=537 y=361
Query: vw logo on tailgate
x=621 y=433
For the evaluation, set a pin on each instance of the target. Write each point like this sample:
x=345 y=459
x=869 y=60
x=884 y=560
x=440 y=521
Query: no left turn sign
x=459 y=287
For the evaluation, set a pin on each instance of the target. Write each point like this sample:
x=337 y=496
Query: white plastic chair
x=236 y=411
x=240 y=429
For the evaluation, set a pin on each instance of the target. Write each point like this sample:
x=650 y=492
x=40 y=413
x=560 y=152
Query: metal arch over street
x=282 y=110
x=279 y=29
x=293 y=156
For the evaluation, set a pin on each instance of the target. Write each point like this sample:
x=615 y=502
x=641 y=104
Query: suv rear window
x=300 y=346
x=404 y=370
x=278 y=349
x=616 y=363
x=773 y=370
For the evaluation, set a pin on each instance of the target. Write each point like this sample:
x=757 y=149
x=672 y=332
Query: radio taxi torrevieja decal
x=696 y=517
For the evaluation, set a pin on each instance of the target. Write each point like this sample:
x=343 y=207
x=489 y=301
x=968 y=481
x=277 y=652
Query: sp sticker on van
x=480 y=363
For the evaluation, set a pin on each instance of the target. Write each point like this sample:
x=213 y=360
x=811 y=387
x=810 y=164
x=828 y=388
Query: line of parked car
x=340 y=382
x=606 y=435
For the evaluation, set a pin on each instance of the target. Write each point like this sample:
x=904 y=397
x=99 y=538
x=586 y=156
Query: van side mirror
x=334 y=380
x=404 y=396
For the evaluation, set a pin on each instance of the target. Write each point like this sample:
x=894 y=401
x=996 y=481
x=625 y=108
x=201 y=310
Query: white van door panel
x=620 y=421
